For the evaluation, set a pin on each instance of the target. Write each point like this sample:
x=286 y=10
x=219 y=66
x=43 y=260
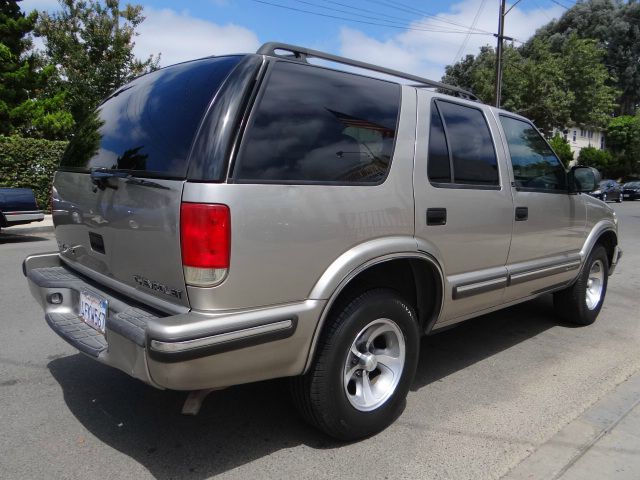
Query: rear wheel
x=581 y=303
x=365 y=364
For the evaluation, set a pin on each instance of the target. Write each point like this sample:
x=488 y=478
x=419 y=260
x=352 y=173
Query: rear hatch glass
x=148 y=125
x=122 y=228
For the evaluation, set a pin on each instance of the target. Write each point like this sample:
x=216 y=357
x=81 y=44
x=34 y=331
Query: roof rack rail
x=301 y=54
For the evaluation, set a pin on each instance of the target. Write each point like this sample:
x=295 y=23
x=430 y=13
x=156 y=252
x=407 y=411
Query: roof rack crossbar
x=301 y=54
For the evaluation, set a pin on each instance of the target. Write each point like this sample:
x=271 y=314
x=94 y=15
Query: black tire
x=571 y=303
x=604 y=197
x=321 y=394
x=619 y=198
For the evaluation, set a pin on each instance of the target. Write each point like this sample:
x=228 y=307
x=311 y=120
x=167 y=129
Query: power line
x=407 y=8
x=427 y=23
x=378 y=18
x=338 y=17
x=560 y=4
x=466 y=38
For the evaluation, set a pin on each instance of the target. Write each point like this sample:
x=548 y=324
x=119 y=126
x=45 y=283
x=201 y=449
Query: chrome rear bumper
x=188 y=351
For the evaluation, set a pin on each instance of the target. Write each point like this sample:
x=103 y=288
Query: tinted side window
x=469 y=139
x=438 y=167
x=317 y=125
x=535 y=166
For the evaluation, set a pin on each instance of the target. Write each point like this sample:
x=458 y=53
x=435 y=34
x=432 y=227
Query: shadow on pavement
x=244 y=423
x=457 y=348
x=7 y=237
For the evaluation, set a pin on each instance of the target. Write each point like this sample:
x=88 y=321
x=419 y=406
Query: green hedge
x=30 y=162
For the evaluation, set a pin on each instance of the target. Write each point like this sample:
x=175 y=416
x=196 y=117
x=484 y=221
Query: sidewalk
x=602 y=443
x=45 y=225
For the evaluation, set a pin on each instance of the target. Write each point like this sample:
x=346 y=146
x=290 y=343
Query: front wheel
x=581 y=303
x=366 y=361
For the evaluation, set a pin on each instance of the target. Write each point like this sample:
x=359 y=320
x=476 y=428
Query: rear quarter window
x=315 y=125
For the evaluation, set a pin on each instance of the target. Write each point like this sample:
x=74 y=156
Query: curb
x=26 y=230
x=558 y=454
x=43 y=226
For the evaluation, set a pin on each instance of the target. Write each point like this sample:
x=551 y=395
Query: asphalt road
x=486 y=394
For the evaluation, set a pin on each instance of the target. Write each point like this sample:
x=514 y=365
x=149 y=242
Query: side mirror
x=583 y=179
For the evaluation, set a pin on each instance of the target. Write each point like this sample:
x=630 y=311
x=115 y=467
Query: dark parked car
x=608 y=190
x=631 y=190
x=18 y=206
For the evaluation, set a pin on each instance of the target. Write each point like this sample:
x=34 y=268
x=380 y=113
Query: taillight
x=205 y=236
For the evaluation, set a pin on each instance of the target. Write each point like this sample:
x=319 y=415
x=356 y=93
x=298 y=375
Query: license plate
x=626 y=195
x=93 y=310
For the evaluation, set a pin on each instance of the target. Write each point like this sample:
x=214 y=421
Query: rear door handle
x=436 y=216
x=522 y=213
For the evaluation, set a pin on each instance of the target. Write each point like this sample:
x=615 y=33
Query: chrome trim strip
x=212 y=340
x=517 y=278
x=469 y=289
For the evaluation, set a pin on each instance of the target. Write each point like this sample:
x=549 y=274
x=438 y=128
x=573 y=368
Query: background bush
x=600 y=159
x=30 y=162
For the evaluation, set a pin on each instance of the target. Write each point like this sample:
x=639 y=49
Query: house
x=581 y=136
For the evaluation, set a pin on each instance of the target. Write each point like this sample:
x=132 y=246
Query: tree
x=26 y=105
x=92 y=46
x=562 y=149
x=599 y=159
x=553 y=88
x=614 y=25
x=623 y=139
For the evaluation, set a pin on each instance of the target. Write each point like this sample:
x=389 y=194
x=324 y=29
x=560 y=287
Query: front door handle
x=522 y=213
x=436 y=216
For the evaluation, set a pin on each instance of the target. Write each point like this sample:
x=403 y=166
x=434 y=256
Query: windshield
x=148 y=125
x=632 y=185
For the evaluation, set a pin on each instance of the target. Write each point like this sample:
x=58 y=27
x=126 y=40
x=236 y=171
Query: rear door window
x=147 y=126
x=461 y=151
x=315 y=125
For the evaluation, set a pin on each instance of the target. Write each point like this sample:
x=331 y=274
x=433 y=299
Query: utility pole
x=499 y=52
x=501 y=39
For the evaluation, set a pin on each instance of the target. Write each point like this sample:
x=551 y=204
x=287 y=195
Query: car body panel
x=474 y=243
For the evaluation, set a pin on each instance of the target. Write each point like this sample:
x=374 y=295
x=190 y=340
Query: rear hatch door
x=117 y=195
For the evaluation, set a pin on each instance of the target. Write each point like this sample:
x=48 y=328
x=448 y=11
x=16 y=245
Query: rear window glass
x=318 y=125
x=469 y=140
x=148 y=125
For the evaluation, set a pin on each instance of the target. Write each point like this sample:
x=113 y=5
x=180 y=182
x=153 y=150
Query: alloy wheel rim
x=595 y=284
x=374 y=365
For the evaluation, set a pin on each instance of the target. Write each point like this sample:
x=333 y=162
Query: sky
x=418 y=37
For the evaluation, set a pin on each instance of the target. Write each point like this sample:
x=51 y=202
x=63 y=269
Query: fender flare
x=599 y=229
x=596 y=232
x=359 y=259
